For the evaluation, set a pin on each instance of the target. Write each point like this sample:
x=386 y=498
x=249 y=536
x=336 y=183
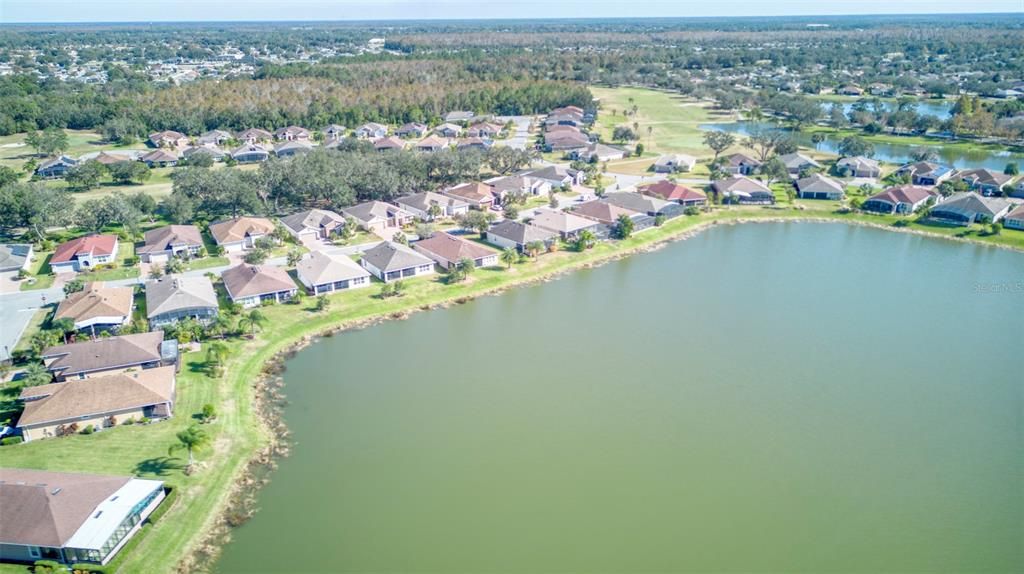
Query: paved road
x=521 y=138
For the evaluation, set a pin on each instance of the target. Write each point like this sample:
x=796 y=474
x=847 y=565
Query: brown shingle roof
x=451 y=248
x=602 y=211
x=98 y=396
x=103 y=354
x=163 y=238
x=232 y=230
x=96 y=301
x=250 y=280
x=42 y=508
x=474 y=193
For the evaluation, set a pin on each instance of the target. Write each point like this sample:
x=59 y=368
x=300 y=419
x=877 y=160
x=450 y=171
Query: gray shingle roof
x=391 y=256
x=177 y=292
x=320 y=268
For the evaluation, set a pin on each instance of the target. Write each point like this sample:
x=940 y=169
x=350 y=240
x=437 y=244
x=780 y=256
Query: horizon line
x=518 y=19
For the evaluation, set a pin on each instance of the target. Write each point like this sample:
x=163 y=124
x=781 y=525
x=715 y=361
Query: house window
x=33 y=551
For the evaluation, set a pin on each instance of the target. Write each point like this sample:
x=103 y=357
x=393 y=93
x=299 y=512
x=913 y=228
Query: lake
x=888 y=152
x=936 y=109
x=791 y=397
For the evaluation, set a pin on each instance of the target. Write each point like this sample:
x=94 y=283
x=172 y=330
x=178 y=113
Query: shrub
x=144 y=421
x=89 y=569
x=692 y=210
x=129 y=421
x=46 y=567
x=89 y=429
x=11 y=440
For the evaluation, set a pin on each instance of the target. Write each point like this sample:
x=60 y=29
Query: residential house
x=458 y=116
x=516 y=184
x=371 y=130
x=390 y=143
x=15 y=257
x=84 y=253
x=858 y=166
x=566 y=224
x=292 y=148
x=432 y=143
x=426 y=204
x=110 y=355
x=110 y=158
x=448 y=250
x=510 y=233
x=255 y=136
x=850 y=90
x=160 y=158
x=171 y=298
x=672 y=163
x=252 y=285
x=484 y=130
x=313 y=224
x=193 y=152
x=797 y=162
x=101 y=402
x=412 y=130
x=214 y=138
x=250 y=153
x=473 y=143
x=55 y=167
x=926 y=172
x=97 y=308
x=903 y=200
x=390 y=261
x=322 y=273
x=168 y=138
x=597 y=152
x=478 y=195
x=558 y=176
x=645 y=204
x=674 y=192
x=563 y=119
x=291 y=133
x=984 y=181
x=334 y=132
x=967 y=207
x=162 y=243
x=375 y=216
x=71 y=518
x=240 y=233
x=1015 y=219
x=448 y=130
x=818 y=186
x=742 y=189
x=740 y=164
x=566 y=141
x=604 y=211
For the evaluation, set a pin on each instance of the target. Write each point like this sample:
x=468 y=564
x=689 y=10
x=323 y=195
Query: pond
x=888 y=152
x=761 y=398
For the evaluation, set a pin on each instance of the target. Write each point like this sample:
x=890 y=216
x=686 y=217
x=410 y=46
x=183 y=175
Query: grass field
x=14 y=154
x=673 y=120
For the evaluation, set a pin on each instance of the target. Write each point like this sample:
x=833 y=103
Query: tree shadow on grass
x=158 y=466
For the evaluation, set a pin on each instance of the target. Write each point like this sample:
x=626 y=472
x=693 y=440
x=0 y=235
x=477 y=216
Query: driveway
x=16 y=310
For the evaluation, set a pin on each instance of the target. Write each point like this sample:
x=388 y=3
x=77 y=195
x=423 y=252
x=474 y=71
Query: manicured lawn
x=206 y=263
x=673 y=119
x=237 y=434
x=120 y=270
x=80 y=142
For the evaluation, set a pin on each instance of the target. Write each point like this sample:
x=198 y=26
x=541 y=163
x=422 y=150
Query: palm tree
x=65 y=325
x=252 y=322
x=509 y=256
x=35 y=374
x=586 y=239
x=534 y=248
x=218 y=327
x=216 y=353
x=191 y=439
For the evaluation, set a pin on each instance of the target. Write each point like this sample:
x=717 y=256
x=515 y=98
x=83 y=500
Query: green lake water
x=795 y=397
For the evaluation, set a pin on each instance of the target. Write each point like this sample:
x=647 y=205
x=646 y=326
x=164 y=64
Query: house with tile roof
x=84 y=253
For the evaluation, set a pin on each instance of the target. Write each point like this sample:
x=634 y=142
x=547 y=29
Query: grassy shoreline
x=196 y=523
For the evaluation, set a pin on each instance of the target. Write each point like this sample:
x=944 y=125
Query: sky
x=12 y=11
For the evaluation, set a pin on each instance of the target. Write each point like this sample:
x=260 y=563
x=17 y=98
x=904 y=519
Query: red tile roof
x=670 y=191
x=92 y=244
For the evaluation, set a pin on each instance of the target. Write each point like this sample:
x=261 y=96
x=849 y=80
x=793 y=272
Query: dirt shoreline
x=269 y=399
